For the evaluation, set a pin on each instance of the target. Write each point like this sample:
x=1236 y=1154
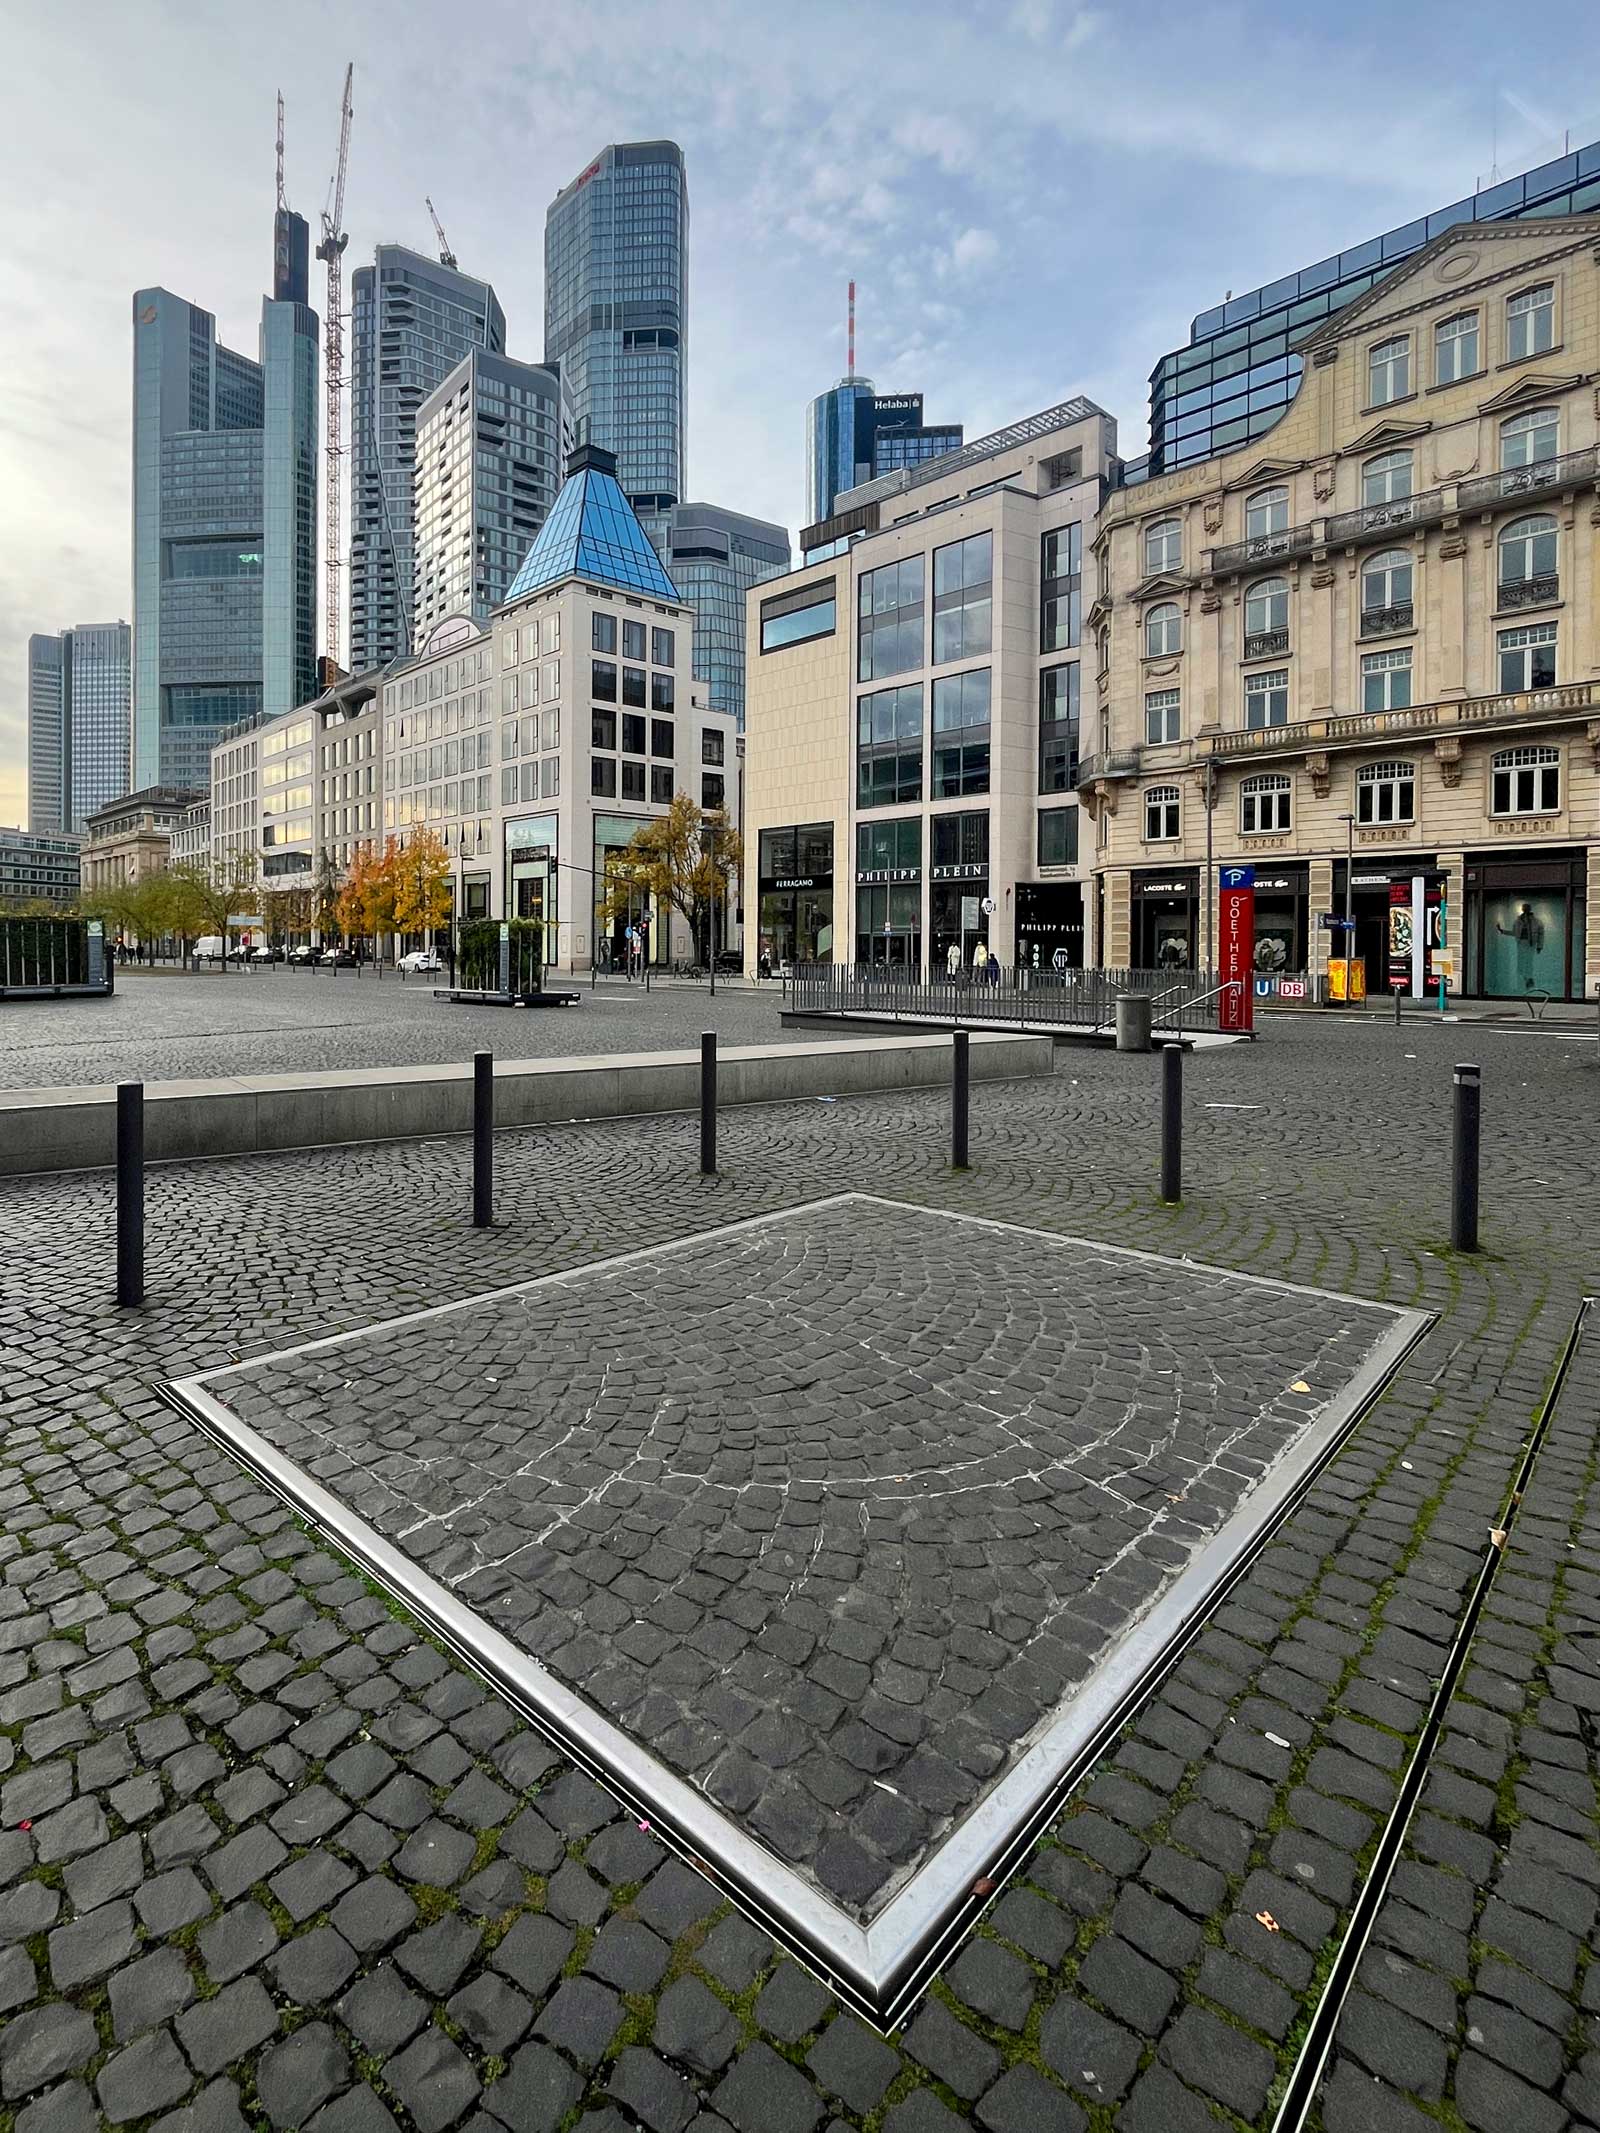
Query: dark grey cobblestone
x=114 y=1512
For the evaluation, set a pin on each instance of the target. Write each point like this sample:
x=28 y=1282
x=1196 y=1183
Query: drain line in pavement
x=1305 y=2080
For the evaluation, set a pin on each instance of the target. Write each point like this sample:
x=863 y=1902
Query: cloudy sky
x=1034 y=197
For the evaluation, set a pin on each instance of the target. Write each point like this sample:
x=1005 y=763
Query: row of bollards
x=1465 y=1151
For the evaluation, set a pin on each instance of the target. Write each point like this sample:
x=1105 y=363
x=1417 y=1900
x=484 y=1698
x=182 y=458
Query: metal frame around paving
x=878 y=1968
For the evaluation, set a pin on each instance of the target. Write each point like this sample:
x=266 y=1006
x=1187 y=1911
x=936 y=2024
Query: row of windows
x=611 y=780
x=1522 y=781
x=1530 y=330
x=603 y=685
x=603 y=638
x=1389 y=479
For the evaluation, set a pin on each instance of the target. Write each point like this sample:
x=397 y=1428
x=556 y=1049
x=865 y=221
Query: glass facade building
x=593 y=533
x=224 y=530
x=411 y=322
x=49 y=769
x=616 y=244
x=714 y=557
x=854 y=433
x=491 y=443
x=1240 y=370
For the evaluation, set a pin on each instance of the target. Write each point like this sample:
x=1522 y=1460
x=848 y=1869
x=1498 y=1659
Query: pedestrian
x=994 y=972
x=952 y=961
x=980 y=964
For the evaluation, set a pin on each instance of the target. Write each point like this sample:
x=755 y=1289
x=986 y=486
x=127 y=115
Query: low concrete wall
x=75 y=1128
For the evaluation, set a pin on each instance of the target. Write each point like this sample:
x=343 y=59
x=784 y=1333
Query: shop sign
x=1183 y=887
x=965 y=870
x=773 y=883
x=866 y=875
x=1236 y=1008
x=1280 y=988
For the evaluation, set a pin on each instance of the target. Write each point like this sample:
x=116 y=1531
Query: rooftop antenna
x=850 y=336
x=282 y=202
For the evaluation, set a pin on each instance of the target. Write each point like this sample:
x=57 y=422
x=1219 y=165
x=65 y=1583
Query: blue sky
x=1033 y=196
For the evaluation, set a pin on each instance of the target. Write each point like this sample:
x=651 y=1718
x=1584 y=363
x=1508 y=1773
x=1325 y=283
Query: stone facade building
x=1371 y=634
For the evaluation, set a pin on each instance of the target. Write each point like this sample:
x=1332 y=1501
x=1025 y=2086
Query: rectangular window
x=1386 y=680
x=796 y=617
x=550 y=731
x=603 y=632
x=633 y=781
x=1163 y=719
x=530 y=781
x=1060 y=589
x=662 y=736
x=1058 y=728
x=661 y=651
x=961 y=845
x=962 y=598
x=1530 y=322
x=1389 y=370
x=602 y=729
x=603 y=680
x=552 y=679
x=509 y=701
x=1528 y=658
x=1526 y=781
x=889 y=746
x=662 y=693
x=1266 y=699
x=1386 y=792
x=1058 y=837
x=891 y=850
x=889 y=620
x=633 y=687
x=1264 y=805
x=603 y=776
x=961 y=734
x=711 y=789
x=633 y=733
x=633 y=640
x=661 y=784
x=711 y=746
x=1455 y=348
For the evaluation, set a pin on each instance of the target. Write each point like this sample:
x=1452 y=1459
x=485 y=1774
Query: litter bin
x=1133 y=1021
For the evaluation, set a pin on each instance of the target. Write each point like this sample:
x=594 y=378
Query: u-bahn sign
x=1236 y=1010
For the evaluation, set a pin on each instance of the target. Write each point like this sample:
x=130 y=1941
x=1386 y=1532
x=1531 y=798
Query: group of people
x=985 y=967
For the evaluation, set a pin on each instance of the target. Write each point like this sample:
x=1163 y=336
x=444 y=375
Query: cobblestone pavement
x=285 y=1022
x=285 y=1864
x=834 y=1553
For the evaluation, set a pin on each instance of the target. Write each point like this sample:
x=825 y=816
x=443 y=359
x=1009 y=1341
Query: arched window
x=1387 y=479
x=1528 y=561
x=1266 y=513
x=1163 y=546
x=1526 y=439
x=1266 y=615
x=1525 y=781
x=1161 y=813
x=1163 y=630
x=1386 y=592
x=1264 y=805
x=1386 y=792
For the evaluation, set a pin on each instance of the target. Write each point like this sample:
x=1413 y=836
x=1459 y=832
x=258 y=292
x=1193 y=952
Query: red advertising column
x=1236 y=1009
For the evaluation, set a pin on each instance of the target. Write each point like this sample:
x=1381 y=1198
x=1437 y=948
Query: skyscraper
x=854 y=434
x=616 y=243
x=490 y=449
x=411 y=322
x=1239 y=371
x=714 y=557
x=224 y=528
x=79 y=701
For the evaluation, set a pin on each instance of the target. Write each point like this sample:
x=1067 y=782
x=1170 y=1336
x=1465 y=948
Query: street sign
x=988 y=904
x=1059 y=959
x=969 y=914
x=1237 y=911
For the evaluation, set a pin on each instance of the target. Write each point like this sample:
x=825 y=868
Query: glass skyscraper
x=714 y=557
x=616 y=244
x=411 y=322
x=1239 y=371
x=80 y=686
x=854 y=433
x=491 y=443
x=224 y=529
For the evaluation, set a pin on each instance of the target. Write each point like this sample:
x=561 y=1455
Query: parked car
x=262 y=955
x=730 y=959
x=422 y=959
x=340 y=958
x=305 y=953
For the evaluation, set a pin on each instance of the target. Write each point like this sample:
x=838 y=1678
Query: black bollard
x=1172 y=1123
x=708 y=1103
x=958 y=1103
x=482 y=1139
x=1464 y=1158
x=130 y=1192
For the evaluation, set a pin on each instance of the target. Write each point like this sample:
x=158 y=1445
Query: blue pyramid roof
x=592 y=533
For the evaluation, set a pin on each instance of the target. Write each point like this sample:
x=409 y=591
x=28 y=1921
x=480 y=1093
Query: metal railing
x=1517 y=707
x=1068 y=999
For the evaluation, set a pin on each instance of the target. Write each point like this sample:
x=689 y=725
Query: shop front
x=1383 y=905
x=795 y=891
x=1283 y=932
x=959 y=891
x=532 y=877
x=1166 y=910
x=889 y=892
x=1049 y=925
x=1525 y=926
x=627 y=927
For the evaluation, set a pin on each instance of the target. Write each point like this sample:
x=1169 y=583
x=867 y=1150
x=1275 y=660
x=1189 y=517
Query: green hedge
x=44 y=951
x=478 y=954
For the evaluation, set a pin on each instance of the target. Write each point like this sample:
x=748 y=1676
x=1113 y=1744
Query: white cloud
x=972 y=250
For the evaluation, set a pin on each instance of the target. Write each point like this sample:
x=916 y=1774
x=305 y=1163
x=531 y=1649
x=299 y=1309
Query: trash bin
x=1133 y=1021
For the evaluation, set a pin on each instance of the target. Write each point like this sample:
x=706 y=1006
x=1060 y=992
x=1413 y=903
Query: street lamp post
x=1349 y=822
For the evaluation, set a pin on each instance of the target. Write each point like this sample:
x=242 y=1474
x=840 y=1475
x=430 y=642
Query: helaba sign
x=1237 y=915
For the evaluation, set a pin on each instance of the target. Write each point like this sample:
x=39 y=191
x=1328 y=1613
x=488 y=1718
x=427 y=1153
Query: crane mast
x=331 y=250
x=447 y=258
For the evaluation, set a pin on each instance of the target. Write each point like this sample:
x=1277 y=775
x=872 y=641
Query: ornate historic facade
x=1373 y=632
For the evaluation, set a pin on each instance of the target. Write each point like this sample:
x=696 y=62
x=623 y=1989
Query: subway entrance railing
x=1040 y=999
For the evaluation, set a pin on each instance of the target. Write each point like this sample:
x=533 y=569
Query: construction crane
x=447 y=258
x=331 y=249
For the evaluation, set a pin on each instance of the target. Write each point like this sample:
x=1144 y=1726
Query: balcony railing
x=1523 y=707
x=1116 y=763
x=1266 y=644
x=1376 y=522
x=1531 y=592
x=1384 y=621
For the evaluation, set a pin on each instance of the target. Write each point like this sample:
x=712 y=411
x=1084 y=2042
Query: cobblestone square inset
x=836 y=1514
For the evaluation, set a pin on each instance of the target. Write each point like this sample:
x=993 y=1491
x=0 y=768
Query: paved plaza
x=269 y=1856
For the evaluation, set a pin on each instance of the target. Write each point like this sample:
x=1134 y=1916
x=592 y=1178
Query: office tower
x=854 y=434
x=714 y=557
x=79 y=699
x=411 y=322
x=489 y=455
x=224 y=529
x=1239 y=371
x=616 y=244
